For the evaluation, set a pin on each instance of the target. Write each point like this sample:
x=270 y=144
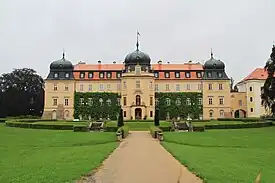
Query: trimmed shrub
x=157 y=117
x=154 y=130
x=110 y=128
x=165 y=128
x=124 y=130
x=2 y=120
x=57 y=126
x=237 y=126
x=120 y=118
x=240 y=119
x=198 y=120
x=198 y=128
x=81 y=128
x=147 y=120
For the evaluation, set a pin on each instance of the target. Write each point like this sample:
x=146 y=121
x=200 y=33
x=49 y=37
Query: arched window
x=168 y=101
x=178 y=101
x=211 y=113
x=54 y=114
x=138 y=100
x=221 y=113
x=188 y=101
x=109 y=102
x=101 y=101
x=66 y=114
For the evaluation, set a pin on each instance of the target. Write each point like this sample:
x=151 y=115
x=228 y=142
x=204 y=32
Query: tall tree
x=22 y=93
x=120 y=119
x=157 y=117
x=268 y=90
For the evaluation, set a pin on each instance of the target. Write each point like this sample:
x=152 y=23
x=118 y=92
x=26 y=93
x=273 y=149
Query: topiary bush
x=120 y=119
x=154 y=130
x=157 y=117
x=81 y=128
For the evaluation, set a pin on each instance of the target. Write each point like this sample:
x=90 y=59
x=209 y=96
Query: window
x=167 y=75
x=101 y=101
x=101 y=87
x=90 y=75
x=156 y=74
x=108 y=86
x=188 y=101
x=82 y=74
x=198 y=74
x=109 y=75
x=211 y=113
x=221 y=100
x=124 y=101
x=90 y=101
x=167 y=87
x=177 y=87
x=250 y=88
x=156 y=102
x=124 y=114
x=101 y=75
x=66 y=87
x=55 y=75
x=109 y=102
x=156 y=87
x=210 y=101
x=124 y=85
x=219 y=74
x=151 y=84
x=151 y=113
x=118 y=86
x=210 y=86
x=168 y=101
x=240 y=103
x=90 y=87
x=66 y=101
x=188 y=87
x=138 y=100
x=209 y=75
x=220 y=87
x=177 y=75
x=178 y=101
x=199 y=101
x=54 y=87
x=81 y=100
x=55 y=101
x=81 y=87
x=221 y=113
x=118 y=74
x=251 y=99
x=67 y=75
x=187 y=74
x=151 y=101
x=199 y=86
x=251 y=109
x=137 y=84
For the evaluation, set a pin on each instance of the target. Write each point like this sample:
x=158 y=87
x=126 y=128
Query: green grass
x=31 y=155
x=138 y=126
x=226 y=155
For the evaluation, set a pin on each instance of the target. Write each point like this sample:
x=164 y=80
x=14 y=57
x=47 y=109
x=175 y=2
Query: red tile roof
x=257 y=74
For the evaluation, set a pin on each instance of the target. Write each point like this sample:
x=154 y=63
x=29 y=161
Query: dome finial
x=211 y=53
x=63 y=54
x=138 y=34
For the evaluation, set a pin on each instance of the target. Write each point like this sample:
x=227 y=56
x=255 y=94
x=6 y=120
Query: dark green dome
x=137 y=57
x=61 y=64
x=212 y=63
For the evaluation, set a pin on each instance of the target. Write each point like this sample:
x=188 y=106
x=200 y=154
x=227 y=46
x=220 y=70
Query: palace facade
x=190 y=89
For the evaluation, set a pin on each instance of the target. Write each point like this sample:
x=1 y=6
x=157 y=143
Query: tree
x=268 y=90
x=157 y=117
x=120 y=119
x=22 y=93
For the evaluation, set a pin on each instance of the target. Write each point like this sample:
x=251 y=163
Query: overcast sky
x=34 y=32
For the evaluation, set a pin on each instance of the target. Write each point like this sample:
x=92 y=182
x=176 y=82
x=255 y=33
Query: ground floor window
x=124 y=113
x=151 y=113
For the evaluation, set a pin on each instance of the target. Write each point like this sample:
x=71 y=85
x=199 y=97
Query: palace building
x=138 y=86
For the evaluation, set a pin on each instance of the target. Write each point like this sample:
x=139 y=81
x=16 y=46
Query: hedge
x=154 y=130
x=238 y=126
x=139 y=120
x=2 y=120
x=57 y=126
x=165 y=128
x=198 y=128
x=240 y=119
x=81 y=128
x=124 y=130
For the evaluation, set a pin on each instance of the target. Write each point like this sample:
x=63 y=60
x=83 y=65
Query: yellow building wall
x=174 y=85
x=98 y=86
x=238 y=102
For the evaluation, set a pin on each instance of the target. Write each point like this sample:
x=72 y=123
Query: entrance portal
x=138 y=113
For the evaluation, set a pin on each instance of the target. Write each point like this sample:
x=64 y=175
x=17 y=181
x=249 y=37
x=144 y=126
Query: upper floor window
x=199 y=86
x=199 y=101
x=55 y=101
x=90 y=75
x=108 y=86
x=220 y=87
x=167 y=87
x=177 y=74
x=151 y=101
x=156 y=74
x=137 y=84
x=101 y=87
x=101 y=75
x=188 y=101
x=90 y=87
x=210 y=86
x=168 y=101
x=54 y=87
x=220 y=74
x=118 y=86
x=167 y=75
x=82 y=75
x=187 y=74
x=66 y=101
x=81 y=100
x=178 y=101
x=188 y=87
x=151 y=84
x=240 y=103
x=66 y=87
x=221 y=100
x=209 y=75
x=177 y=87
x=156 y=87
x=55 y=75
x=109 y=102
x=250 y=88
x=198 y=74
x=210 y=100
x=90 y=101
x=81 y=87
x=109 y=75
x=124 y=101
x=67 y=75
x=118 y=74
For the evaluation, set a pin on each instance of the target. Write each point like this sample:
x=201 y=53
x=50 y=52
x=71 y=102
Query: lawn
x=139 y=126
x=31 y=155
x=226 y=155
x=214 y=122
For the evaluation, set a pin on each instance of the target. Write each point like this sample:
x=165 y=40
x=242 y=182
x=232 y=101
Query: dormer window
x=209 y=75
x=82 y=75
x=156 y=74
x=118 y=74
x=101 y=75
x=198 y=74
x=187 y=74
x=167 y=75
x=90 y=75
x=219 y=74
x=67 y=75
x=177 y=75
x=55 y=75
x=109 y=75
x=138 y=69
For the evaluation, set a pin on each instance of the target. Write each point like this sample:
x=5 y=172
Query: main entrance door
x=138 y=113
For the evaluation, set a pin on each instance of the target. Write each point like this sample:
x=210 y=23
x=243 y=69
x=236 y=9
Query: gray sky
x=34 y=32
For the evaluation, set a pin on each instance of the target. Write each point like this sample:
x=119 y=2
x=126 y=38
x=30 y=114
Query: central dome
x=212 y=63
x=61 y=64
x=137 y=57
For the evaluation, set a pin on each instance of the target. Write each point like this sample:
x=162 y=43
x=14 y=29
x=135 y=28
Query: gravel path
x=141 y=159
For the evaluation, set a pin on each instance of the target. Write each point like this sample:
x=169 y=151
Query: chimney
x=168 y=62
x=99 y=62
x=114 y=62
x=159 y=62
x=190 y=61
